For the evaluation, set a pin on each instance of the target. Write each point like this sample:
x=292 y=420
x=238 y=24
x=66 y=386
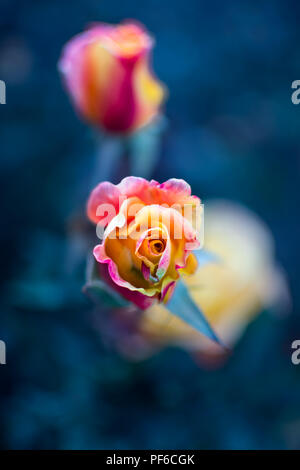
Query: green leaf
x=98 y=290
x=182 y=305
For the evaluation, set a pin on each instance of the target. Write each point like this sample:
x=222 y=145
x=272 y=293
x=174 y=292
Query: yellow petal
x=150 y=92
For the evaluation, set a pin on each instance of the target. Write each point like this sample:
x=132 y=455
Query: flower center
x=157 y=246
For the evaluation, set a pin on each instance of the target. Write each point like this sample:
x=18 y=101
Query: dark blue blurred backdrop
x=233 y=133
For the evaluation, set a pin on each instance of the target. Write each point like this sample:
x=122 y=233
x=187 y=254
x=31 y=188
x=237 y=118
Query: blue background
x=233 y=133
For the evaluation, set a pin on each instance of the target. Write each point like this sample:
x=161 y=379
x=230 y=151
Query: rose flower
x=107 y=72
x=149 y=231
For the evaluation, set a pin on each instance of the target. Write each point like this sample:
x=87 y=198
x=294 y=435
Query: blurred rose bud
x=107 y=72
x=230 y=292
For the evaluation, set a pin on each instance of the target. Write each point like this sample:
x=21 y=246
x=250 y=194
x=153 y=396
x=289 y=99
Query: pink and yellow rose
x=107 y=72
x=149 y=233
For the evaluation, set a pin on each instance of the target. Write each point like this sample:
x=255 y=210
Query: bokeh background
x=233 y=133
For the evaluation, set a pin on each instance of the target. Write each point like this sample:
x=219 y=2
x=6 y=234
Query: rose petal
x=140 y=300
x=105 y=194
x=164 y=261
x=174 y=191
x=101 y=257
x=177 y=186
x=167 y=291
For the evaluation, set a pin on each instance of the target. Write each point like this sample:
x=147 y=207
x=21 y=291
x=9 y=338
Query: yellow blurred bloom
x=230 y=292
